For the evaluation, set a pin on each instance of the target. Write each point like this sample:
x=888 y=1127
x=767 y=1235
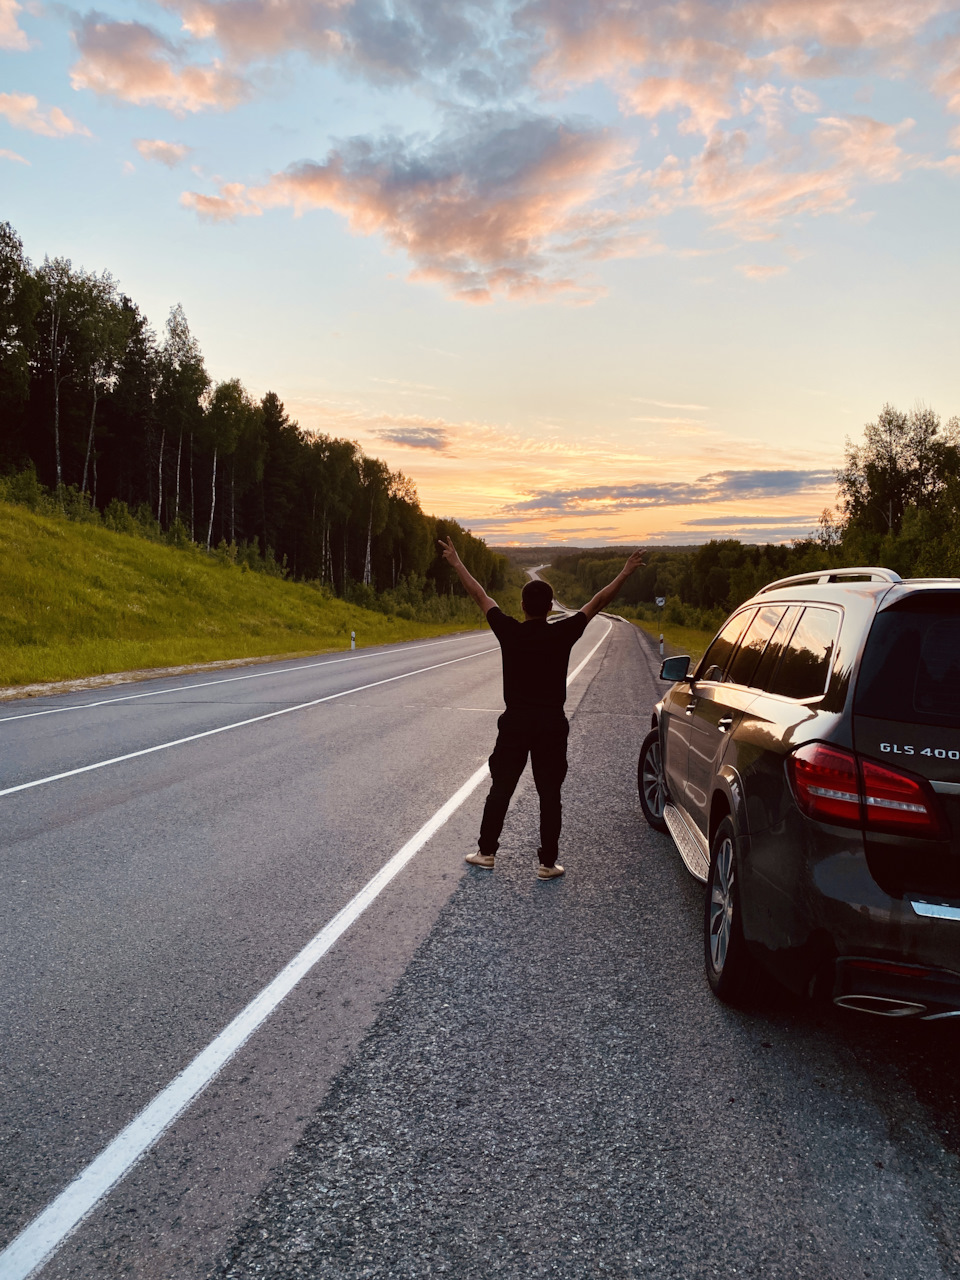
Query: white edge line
x=236 y=724
x=376 y=652
x=44 y=1235
x=49 y=1229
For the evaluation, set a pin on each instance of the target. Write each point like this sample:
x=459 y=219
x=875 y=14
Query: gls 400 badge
x=906 y=749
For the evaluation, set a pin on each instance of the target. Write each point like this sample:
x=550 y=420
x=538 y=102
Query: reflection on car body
x=808 y=770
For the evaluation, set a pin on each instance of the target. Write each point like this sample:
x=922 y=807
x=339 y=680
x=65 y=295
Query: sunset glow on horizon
x=586 y=271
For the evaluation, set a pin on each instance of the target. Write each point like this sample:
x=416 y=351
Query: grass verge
x=79 y=600
x=689 y=640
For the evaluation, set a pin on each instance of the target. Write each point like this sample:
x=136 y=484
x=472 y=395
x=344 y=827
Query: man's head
x=536 y=598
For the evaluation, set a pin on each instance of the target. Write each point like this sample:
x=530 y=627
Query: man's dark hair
x=537 y=597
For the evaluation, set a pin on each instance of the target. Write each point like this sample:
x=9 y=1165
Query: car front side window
x=717 y=658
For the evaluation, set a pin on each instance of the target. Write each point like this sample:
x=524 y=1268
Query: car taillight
x=825 y=783
x=833 y=785
x=897 y=802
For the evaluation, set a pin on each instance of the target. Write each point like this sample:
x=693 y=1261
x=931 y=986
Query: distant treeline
x=899 y=507
x=101 y=419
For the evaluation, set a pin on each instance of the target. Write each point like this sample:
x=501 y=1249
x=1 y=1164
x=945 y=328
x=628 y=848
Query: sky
x=587 y=271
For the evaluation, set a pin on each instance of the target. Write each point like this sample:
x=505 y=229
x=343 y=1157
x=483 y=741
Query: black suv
x=808 y=771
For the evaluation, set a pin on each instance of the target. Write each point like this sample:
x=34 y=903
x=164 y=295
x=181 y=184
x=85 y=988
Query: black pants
x=544 y=739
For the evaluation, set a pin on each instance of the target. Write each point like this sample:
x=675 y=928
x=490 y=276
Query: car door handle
x=725 y=723
x=690 y=706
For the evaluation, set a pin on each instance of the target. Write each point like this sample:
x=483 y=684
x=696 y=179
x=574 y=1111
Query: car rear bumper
x=895 y=990
x=824 y=920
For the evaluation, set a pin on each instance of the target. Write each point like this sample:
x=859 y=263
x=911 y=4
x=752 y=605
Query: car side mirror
x=674 y=669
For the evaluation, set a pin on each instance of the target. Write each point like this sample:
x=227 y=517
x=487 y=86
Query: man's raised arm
x=606 y=594
x=472 y=586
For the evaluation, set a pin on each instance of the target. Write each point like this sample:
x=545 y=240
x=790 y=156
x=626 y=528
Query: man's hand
x=449 y=551
x=471 y=585
x=606 y=594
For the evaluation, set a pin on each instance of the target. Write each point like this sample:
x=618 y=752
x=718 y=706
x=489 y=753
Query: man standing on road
x=535 y=658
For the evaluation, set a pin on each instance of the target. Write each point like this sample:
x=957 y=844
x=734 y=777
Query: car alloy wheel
x=651 y=784
x=720 y=906
x=732 y=971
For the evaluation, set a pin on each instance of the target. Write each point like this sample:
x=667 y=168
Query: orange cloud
x=167 y=153
x=840 y=24
x=23 y=112
x=753 y=272
x=12 y=155
x=132 y=62
x=705 y=104
x=479 y=213
x=12 y=36
x=864 y=146
x=250 y=30
x=856 y=149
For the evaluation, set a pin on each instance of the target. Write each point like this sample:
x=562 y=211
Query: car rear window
x=911 y=665
x=804 y=668
x=715 y=660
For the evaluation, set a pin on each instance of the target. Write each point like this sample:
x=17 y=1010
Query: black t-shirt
x=535 y=658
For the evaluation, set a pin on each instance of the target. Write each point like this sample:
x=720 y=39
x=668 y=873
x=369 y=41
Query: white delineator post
x=353 y=639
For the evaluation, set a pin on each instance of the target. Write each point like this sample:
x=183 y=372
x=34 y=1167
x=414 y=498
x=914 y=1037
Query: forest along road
x=487 y=1075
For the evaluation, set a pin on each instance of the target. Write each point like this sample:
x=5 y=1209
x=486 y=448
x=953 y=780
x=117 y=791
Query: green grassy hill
x=80 y=600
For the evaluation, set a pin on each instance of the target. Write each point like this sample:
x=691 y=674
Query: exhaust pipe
x=883 y=1006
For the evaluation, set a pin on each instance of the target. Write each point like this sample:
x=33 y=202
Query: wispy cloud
x=754 y=271
x=416 y=437
x=669 y=404
x=23 y=112
x=167 y=153
x=12 y=35
x=12 y=155
x=718 y=486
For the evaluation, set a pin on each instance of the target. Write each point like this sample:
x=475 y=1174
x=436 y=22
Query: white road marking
x=27 y=1252
x=236 y=724
x=206 y=684
x=51 y=1227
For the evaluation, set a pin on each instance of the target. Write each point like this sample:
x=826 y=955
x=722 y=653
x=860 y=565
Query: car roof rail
x=824 y=577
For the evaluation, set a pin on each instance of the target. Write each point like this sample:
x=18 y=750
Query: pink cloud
x=132 y=62
x=481 y=213
x=12 y=155
x=947 y=83
x=167 y=153
x=753 y=272
x=251 y=30
x=752 y=195
x=704 y=103
x=840 y=24
x=23 y=112
x=864 y=146
x=403 y=40
x=12 y=36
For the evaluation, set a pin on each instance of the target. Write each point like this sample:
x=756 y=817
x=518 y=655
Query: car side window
x=754 y=643
x=805 y=664
x=716 y=659
x=763 y=676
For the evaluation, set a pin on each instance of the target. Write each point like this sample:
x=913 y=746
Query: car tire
x=732 y=972
x=651 y=784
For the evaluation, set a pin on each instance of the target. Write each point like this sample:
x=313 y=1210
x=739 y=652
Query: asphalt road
x=487 y=1074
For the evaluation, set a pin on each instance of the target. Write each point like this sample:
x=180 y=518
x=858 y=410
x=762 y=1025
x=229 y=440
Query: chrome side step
x=690 y=846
